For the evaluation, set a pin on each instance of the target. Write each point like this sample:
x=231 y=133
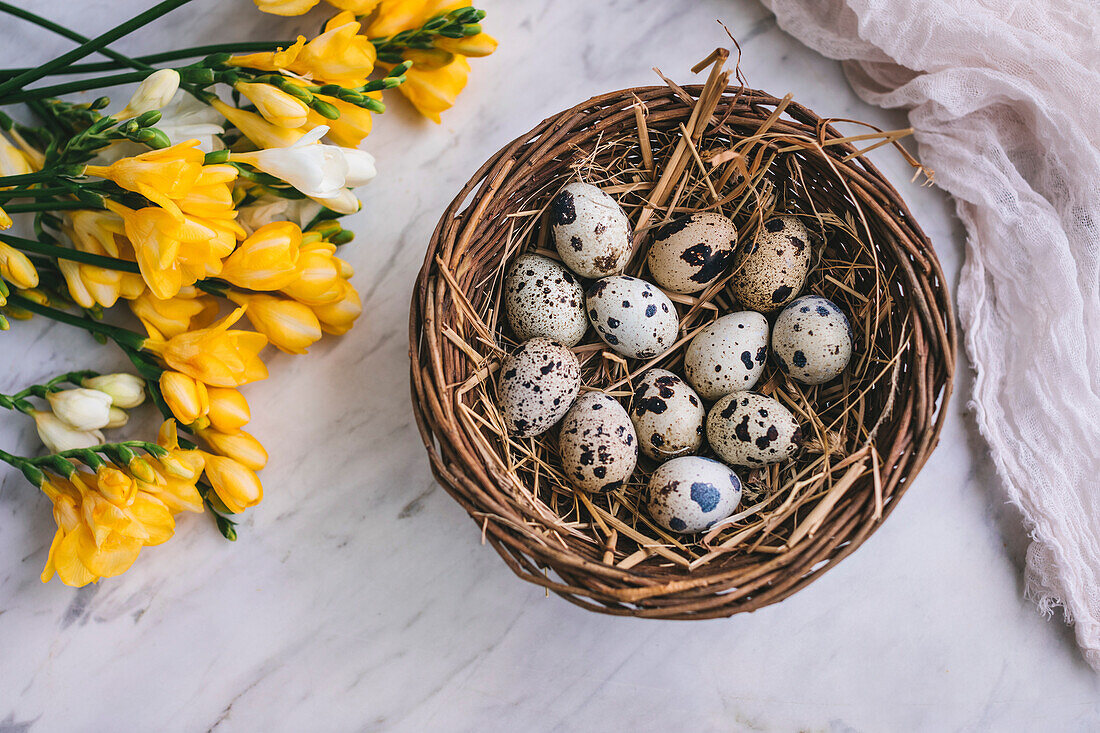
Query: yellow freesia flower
x=433 y=91
x=237 y=486
x=89 y=285
x=317 y=277
x=238 y=445
x=290 y=326
x=267 y=260
x=353 y=124
x=275 y=105
x=212 y=195
x=217 y=355
x=339 y=316
x=300 y=7
x=176 y=473
x=476 y=46
x=170 y=317
x=5 y=220
x=13 y=162
x=185 y=396
x=338 y=56
x=228 y=409
x=16 y=268
x=159 y=175
x=395 y=16
x=96 y=232
x=262 y=133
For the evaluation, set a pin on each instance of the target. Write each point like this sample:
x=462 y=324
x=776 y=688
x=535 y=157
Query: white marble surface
x=359 y=596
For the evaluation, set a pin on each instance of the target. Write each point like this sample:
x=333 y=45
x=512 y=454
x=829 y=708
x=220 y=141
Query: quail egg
x=749 y=429
x=691 y=252
x=773 y=269
x=538 y=383
x=590 y=230
x=632 y=316
x=812 y=339
x=667 y=415
x=597 y=443
x=542 y=298
x=691 y=494
x=727 y=355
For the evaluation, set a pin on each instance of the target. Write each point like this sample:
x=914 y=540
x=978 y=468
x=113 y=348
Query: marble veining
x=359 y=596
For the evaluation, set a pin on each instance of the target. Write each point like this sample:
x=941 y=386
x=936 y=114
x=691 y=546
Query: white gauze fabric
x=1004 y=99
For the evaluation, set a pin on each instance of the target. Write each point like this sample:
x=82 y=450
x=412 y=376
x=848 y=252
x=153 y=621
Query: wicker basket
x=882 y=423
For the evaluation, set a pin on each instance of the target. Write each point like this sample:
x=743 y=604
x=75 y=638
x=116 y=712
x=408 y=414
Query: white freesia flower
x=185 y=118
x=81 y=408
x=269 y=208
x=60 y=436
x=125 y=390
x=314 y=168
x=361 y=170
x=118 y=418
x=344 y=202
x=153 y=93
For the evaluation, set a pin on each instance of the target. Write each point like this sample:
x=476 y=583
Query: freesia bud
x=156 y=91
x=83 y=409
x=361 y=168
x=344 y=202
x=240 y=446
x=228 y=409
x=276 y=106
x=236 y=485
x=119 y=418
x=5 y=220
x=16 y=268
x=339 y=316
x=289 y=325
x=186 y=397
x=59 y=436
x=267 y=260
x=126 y=390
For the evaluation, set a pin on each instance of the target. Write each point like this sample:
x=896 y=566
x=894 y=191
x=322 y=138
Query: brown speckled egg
x=538 y=383
x=632 y=316
x=812 y=339
x=691 y=252
x=542 y=298
x=598 y=446
x=667 y=415
x=590 y=230
x=691 y=494
x=773 y=269
x=727 y=355
x=749 y=429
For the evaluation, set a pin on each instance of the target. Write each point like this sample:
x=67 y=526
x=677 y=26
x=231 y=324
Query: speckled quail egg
x=691 y=252
x=691 y=494
x=597 y=442
x=749 y=429
x=812 y=339
x=773 y=269
x=667 y=415
x=728 y=355
x=538 y=383
x=542 y=298
x=590 y=230
x=632 y=316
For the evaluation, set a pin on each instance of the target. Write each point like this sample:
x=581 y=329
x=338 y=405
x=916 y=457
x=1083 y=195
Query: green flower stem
x=67 y=33
x=26 y=178
x=64 y=253
x=77 y=86
x=34 y=193
x=124 y=337
x=86 y=455
x=18 y=401
x=46 y=206
x=86 y=49
x=159 y=58
x=33 y=474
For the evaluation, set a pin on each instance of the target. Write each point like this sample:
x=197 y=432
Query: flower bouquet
x=209 y=206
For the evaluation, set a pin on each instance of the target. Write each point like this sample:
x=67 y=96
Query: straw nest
x=663 y=151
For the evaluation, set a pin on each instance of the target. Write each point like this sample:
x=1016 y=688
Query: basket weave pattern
x=457 y=339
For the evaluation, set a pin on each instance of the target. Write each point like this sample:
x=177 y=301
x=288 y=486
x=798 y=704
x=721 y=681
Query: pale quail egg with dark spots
x=728 y=355
x=691 y=494
x=812 y=339
x=667 y=415
x=590 y=230
x=538 y=383
x=542 y=298
x=691 y=252
x=749 y=429
x=632 y=316
x=598 y=446
x=772 y=269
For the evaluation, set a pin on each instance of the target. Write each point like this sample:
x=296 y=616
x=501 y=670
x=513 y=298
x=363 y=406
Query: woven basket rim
x=715 y=591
